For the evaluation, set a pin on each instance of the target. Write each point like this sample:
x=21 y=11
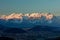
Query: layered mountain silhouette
x=11 y=30
x=14 y=30
x=44 y=28
x=38 y=31
x=46 y=32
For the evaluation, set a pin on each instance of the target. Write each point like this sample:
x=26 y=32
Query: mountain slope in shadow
x=11 y=30
x=44 y=31
x=14 y=30
x=45 y=28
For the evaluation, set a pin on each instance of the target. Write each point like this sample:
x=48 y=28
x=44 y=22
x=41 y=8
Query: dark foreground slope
x=36 y=33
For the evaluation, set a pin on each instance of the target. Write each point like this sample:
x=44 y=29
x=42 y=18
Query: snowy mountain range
x=37 y=26
x=30 y=20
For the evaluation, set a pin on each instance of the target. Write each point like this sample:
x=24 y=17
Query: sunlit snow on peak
x=30 y=16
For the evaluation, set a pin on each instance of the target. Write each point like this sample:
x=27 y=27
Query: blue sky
x=28 y=6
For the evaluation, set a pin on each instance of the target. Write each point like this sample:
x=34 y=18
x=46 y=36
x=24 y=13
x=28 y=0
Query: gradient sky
x=28 y=6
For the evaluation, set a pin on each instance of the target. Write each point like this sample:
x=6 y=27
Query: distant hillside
x=11 y=30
